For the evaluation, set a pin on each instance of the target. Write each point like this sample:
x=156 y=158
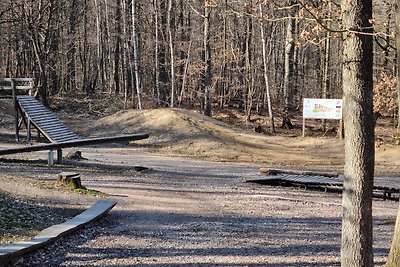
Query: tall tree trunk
x=398 y=61
x=356 y=249
x=289 y=66
x=171 y=52
x=109 y=47
x=207 y=61
x=394 y=254
x=71 y=65
x=117 y=51
x=266 y=81
x=163 y=76
x=326 y=64
x=124 y=52
x=98 y=75
x=156 y=53
x=136 y=57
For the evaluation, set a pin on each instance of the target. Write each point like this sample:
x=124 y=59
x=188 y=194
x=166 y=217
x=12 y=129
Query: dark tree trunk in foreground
x=359 y=125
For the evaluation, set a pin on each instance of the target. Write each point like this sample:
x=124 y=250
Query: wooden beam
x=74 y=143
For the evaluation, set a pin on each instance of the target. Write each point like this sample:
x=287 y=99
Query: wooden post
x=304 y=127
x=341 y=129
x=50 y=158
x=28 y=129
x=59 y=156
x=16 y=110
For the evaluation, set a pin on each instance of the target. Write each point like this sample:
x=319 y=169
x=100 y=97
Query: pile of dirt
x=191 y=134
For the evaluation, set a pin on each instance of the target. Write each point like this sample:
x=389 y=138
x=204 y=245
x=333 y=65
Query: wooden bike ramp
x=44 y=120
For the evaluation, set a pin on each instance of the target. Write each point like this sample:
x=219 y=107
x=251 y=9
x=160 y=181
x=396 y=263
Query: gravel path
x=194 y=213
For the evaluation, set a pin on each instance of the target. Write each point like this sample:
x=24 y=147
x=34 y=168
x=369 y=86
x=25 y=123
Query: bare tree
x=207 y=59
x=269 y=102
x=356 y=249
x=289 y=64
x=394 y=254
x=135 y=57
x=171 y=52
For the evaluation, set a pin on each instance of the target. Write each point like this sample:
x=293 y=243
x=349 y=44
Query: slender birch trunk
x=267 y=90
x=135 y=56
x=171 y=52
x=156 y=53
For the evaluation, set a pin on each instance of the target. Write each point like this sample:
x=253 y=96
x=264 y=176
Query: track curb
x=11 y=252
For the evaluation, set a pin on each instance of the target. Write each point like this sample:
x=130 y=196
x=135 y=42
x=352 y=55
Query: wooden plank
x=34 y=109
x=12 y=251
x=75 y=143
x=64 y=134
x=59 y=138
x=268 y=171
x=65 y=138
x=16 y=79
x=44 y=119
x=31 y=107
x=55 y=131
x=50 y=124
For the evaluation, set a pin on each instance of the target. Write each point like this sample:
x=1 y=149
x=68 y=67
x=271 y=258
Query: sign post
x=315 y=108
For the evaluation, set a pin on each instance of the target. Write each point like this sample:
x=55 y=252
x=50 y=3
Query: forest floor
x=184 y=191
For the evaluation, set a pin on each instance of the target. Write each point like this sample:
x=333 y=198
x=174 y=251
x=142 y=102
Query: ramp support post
x=50 y=158
x=59 y=156
x=28 y=130
x=14 y=97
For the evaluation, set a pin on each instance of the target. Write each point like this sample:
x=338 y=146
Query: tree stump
x=70 y=179
x=75 y=155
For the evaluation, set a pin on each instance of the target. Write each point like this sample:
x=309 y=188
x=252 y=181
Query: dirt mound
x=178 y=132
x=190 y=134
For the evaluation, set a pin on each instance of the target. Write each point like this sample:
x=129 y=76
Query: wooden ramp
x=44 y=120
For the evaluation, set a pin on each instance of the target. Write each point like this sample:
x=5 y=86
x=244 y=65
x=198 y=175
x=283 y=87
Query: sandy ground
x=194 y=206
x=190 y=134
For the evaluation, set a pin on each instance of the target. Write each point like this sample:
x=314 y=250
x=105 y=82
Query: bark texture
x=356 y=249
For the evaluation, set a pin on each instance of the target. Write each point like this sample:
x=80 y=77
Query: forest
x=261 y=57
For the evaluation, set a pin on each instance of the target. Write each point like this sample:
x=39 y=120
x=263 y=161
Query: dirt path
x=186 y=212
x=194 y=213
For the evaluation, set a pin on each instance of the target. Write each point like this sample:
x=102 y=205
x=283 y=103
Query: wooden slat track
x=45 y=121
x=322 y=182
x=302 y=180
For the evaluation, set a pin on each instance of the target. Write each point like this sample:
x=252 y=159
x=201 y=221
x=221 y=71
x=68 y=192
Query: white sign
x=322 y=108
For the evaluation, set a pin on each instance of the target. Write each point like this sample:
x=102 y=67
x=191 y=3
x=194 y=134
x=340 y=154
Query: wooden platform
x=319 y=182
x=44 y=120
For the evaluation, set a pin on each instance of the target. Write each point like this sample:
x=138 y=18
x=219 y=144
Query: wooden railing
x=11 y=87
